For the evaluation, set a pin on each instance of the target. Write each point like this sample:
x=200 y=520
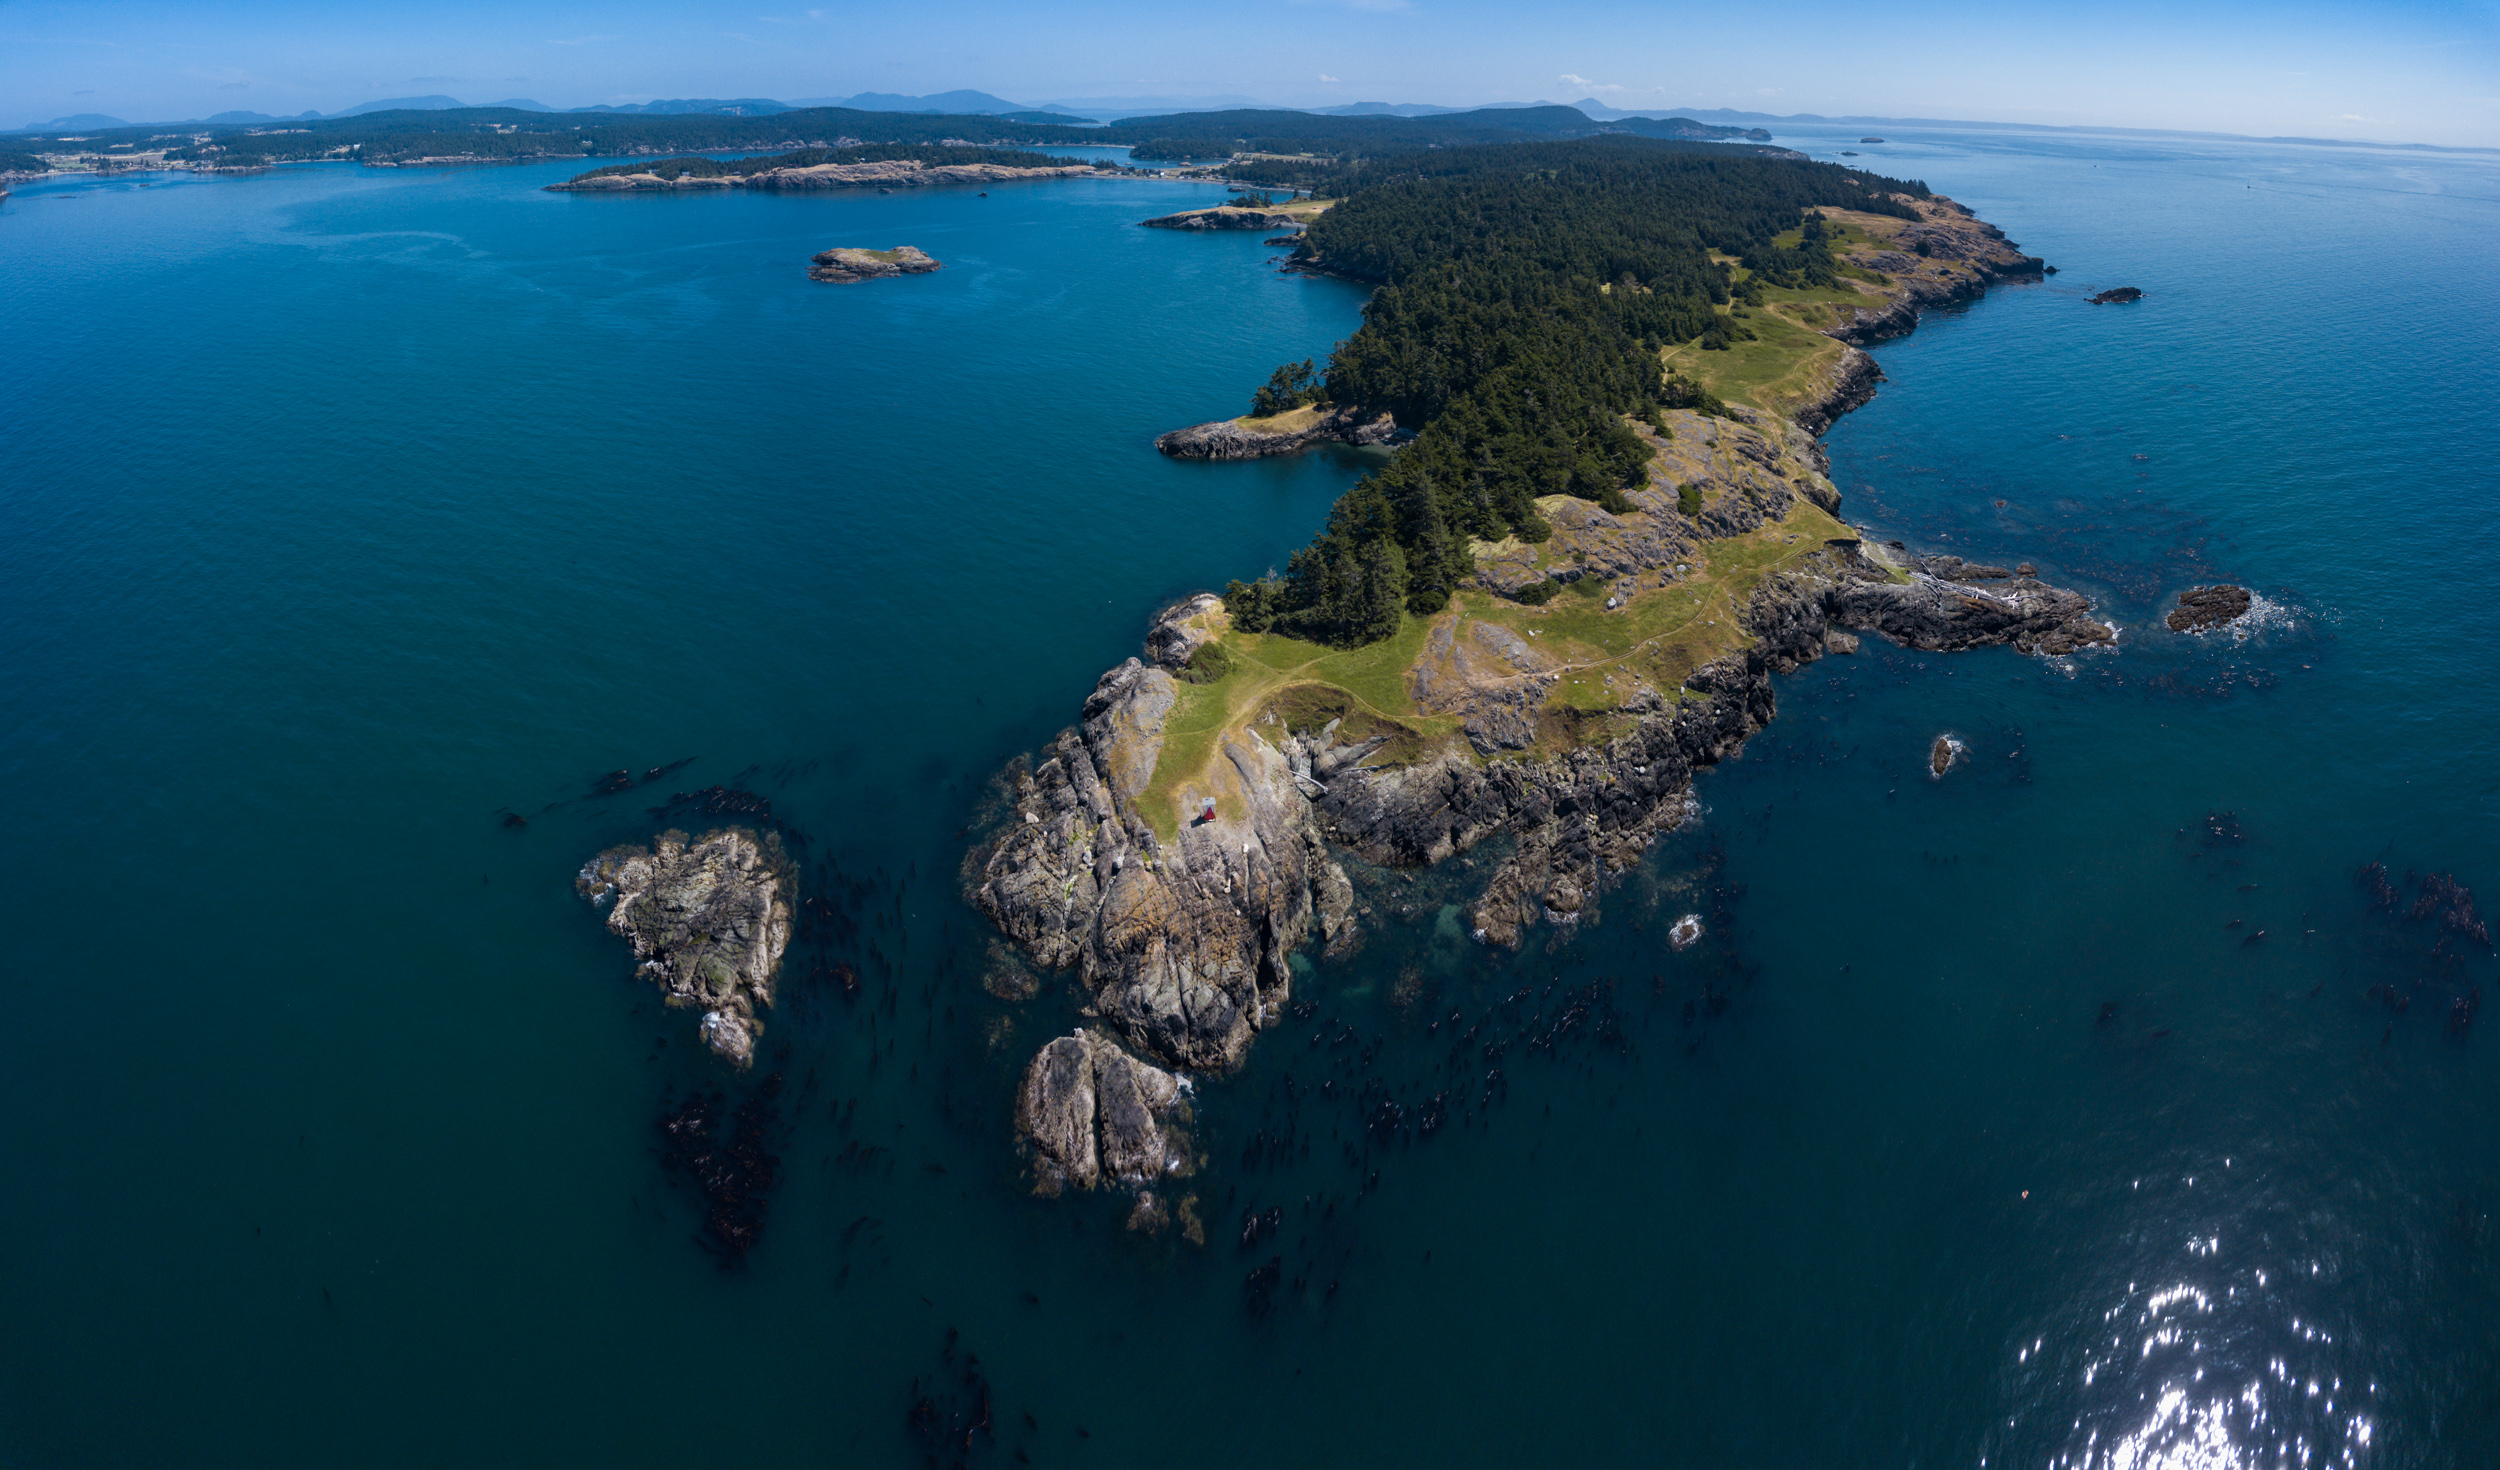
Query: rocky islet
x=2202 y=609
x=709 y=920
x=846 y=265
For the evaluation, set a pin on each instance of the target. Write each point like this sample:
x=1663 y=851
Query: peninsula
x=1612 y=526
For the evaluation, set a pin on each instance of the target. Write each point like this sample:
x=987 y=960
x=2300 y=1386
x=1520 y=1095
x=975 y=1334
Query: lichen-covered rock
x=1093 y=1114
x=708 y=919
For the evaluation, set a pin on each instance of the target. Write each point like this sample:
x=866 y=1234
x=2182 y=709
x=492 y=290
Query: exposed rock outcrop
x=1180 y=941
x=2204 y=608
x=1230 y=439
x=709 y=921
x=2118 y=296
x=1093 y=1114
x=844 y=265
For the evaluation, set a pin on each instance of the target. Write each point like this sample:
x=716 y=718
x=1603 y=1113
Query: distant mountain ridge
x=1081 y=110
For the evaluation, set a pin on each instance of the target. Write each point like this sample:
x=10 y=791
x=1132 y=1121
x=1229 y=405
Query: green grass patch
x=1783 y=366
x=1291 y=421
x=1371 y=679
x=1266 y=683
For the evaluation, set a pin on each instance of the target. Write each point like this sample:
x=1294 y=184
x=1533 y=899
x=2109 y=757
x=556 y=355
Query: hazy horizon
x=2407 y=73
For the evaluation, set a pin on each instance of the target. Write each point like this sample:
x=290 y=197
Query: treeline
x=1526 y=292
x=13 y=162
x=1333 y=140
x=700 y=167
x=506 y=133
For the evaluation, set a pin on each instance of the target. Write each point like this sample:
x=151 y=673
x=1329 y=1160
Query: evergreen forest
x=1525 y=291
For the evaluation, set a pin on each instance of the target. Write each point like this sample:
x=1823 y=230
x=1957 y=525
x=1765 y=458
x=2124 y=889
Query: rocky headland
x=1252 y=438
x=1224 y=217
x=1563 y=702
x=709 y=920
x=846 y=264
x=892 y=173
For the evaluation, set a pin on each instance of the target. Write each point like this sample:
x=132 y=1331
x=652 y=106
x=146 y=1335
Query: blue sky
x=2413 y=70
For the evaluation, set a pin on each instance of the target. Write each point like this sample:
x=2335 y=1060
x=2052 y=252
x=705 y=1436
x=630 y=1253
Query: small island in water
x=846 y=264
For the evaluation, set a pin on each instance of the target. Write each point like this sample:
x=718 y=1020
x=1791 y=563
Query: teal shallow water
x=344 y=509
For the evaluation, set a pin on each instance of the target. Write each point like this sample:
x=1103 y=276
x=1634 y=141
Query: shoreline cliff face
x=1183 y=943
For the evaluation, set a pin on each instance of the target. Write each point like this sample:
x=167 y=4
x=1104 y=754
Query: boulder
x=1093 y=1114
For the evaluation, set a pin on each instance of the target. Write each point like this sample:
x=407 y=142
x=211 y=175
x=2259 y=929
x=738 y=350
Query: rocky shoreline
x=1182 y=944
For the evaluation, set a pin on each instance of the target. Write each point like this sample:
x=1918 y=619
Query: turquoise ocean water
x=343 y=511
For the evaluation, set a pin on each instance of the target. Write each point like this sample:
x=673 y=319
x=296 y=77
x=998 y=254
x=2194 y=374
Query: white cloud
x=1584 y=82
x=1325 y=77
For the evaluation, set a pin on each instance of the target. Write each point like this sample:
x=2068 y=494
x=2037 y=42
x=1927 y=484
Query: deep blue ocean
x=344 y=511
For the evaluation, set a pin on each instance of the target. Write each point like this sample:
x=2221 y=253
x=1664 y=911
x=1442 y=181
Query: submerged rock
x=846 y=264
x=2203 y=608
x=1094 y=1114
x=709 y=921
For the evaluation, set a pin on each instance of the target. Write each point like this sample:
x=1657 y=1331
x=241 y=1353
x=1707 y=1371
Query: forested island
x=889 y=165
x=1568 y=591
